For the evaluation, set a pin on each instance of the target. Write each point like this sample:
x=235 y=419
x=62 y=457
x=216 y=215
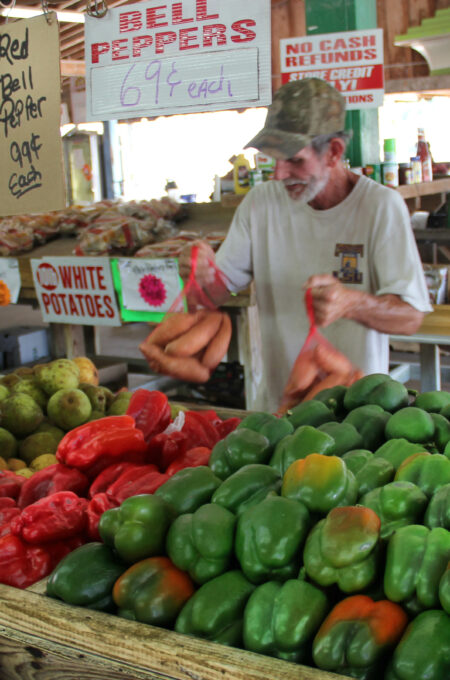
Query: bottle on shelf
x=424 y=154
x=390 y=165
x=241 y=174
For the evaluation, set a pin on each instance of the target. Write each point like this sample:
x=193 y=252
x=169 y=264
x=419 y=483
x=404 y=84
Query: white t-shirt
x=366 y=240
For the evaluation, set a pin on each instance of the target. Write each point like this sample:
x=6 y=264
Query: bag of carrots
x=317 y=367
x=194 y=336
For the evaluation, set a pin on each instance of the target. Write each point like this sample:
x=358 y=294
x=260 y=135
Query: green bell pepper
x=241 y=447
x=379 y=389
x=268 y=425
x=356 y=459
x=429 y=471
x=415 y=561
x=280 y=619
x=346 y=437
x=423 y=653
x=189 y=488
x=370 y=421
x=305 y=440
x=438 y=511
x=397 y=504
x=216 y=611
x=86 y=576
x=410 y=423
x=137 y=528
x=269 y=539
x=441 y=431
x=433 y=401
x=357 y=635
x=310 y=412
x=320 y=482
x=343 y=549
x=202 y=542
x=444 y=590
x=152 y=591
x=247 y=487
x=397 y=450
x=333 y=398
x=376 y=472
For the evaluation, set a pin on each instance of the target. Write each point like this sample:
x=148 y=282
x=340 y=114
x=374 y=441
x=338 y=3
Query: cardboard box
x=23 y=345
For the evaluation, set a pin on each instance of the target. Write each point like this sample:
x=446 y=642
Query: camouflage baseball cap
x=300 y=111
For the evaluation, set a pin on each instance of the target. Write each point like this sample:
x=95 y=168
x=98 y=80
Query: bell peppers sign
x=154 y=58
x=76 y=290
x=351 y=61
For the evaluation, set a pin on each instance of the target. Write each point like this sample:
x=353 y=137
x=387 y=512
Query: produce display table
x=41 y=638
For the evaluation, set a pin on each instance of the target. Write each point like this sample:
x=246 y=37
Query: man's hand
x=205 y=271
x=331 y=299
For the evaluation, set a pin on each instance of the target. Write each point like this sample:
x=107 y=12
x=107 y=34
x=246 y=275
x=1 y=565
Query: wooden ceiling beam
x=72 y=67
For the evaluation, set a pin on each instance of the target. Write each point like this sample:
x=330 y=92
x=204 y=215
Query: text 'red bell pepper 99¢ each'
x=357 y=635
x=95 y=445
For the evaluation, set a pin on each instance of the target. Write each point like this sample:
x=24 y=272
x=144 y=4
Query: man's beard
x=304 y=192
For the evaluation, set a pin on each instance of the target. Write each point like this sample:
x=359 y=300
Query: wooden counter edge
x=135 y=650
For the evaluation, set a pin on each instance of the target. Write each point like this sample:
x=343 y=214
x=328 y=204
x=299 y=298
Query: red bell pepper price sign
x=182 y=57
x=352 y=61
x=76 y=290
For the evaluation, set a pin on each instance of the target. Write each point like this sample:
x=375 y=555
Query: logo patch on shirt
x=348 y=271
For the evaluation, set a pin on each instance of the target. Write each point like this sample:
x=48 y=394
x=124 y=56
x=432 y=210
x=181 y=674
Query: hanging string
x=13 y=4
x=48 y=15
x=98 y=9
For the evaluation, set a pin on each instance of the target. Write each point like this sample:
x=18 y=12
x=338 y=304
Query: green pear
x=31 y=388
x=120 y=404
x=8 y=444
x=9 y=380
x=20 y=414
x=61 y=374
x=69 y=408
x=35 y=445
x=56 y=432
x=97 y=397
x=4 y=392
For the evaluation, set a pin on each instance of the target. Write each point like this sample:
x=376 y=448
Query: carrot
x=331 y=380
x=331 y=360
x=172 y=326
x=197 y=337
x=187 y=369
x=218 y=346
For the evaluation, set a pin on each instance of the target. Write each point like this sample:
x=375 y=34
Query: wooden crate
x=44 y=639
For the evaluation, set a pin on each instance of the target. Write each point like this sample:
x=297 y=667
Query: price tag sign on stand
x=352 y=61
x=149 y=285
x=76 y=290
x=31 y=171
x=164 y=58
x=10 y=275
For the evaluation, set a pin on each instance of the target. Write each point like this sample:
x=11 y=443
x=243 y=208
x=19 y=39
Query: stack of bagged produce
x=44 y=515
x=320 y=537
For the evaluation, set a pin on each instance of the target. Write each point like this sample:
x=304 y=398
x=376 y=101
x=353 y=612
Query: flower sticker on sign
x=149 y=285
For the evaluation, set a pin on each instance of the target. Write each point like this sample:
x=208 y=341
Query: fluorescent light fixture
x=26 y=13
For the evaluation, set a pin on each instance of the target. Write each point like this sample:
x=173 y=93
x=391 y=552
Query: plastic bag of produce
x=318 y=366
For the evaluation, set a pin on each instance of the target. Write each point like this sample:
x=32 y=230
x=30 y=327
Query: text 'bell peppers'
x=53 y=518
x=150 y=410
x=416 y=559
x=152 y=591
x=357 y=634
x=281 y=619
x=138 y=528
x=50 y=480
x=95 y=445
x=86 y=576
x=270 y=537
x=202 y=542
x=215 y=611
x=342 y=549
x=397 y=504
x=423 y=653
x=320 y=482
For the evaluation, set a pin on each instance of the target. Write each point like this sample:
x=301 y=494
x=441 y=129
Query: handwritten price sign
x=196 y=55
x=31 y=174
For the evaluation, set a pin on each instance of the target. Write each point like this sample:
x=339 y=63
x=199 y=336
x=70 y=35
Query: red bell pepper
x=59 y=549
x=53 y=518
x=10 y=484
x=98 y=504
x=8 y=510
x=199 y=429
x=164 y=448
x=22 y=564
x=50 y=480
x=197 y=456
x=95 y=445
x=150 y=410
x=108 y=476
x=226 y=426
x=145 y=479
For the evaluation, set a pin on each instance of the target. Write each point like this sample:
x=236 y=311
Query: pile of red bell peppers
x=100 y=464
